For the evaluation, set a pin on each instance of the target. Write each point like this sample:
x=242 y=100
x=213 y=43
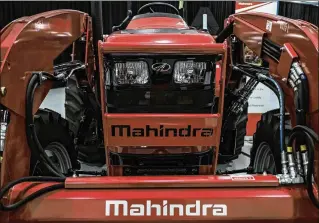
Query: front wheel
x=264 y=159
x=265 y=152
x=57 y=141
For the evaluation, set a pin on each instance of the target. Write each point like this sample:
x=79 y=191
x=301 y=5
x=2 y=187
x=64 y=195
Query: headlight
x=190 y=72
x=130 y=73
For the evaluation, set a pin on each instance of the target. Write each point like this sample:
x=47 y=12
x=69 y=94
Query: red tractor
x=160 y=105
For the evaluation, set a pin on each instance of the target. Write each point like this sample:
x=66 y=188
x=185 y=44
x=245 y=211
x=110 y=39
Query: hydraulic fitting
x=292 y=166
x=284 y=163
x=291 y=163
x=293 y=75
x=298 y=160
x=304 y=156
x=289 y=176
x=292 y=84
x=4 y=117
x=297 y=68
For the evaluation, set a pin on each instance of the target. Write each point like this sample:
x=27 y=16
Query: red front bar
x=260 y=204
x=211 y=181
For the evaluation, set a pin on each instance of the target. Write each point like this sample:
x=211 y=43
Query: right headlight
x=130 y=72
x=191 y=72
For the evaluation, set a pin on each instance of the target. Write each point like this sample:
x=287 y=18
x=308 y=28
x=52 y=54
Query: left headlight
x=130 y=72
x=191 y=72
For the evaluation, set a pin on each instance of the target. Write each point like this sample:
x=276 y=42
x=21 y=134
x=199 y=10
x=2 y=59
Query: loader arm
x=31 y=44
x=281 y=42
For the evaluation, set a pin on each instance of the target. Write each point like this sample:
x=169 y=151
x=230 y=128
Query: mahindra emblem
x=164 y=208
x=161 y=67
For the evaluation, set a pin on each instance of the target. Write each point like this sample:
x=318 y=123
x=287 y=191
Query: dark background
x=115 y=12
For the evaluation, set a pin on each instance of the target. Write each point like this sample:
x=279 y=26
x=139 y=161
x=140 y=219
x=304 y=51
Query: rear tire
x=265 y=152
x=234 y=137
x=79 y=110
x=74 y=104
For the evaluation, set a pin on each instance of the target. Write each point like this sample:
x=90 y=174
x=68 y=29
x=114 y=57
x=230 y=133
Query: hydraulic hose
x=31 y=197
x=310 y=136
x=32 y=139
x=262 y=78
x=302 y=92
x=282 y=110
x=35 y=147
x=36 y=194
x=241 y=68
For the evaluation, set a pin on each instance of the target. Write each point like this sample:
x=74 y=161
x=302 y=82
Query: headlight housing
x=191 y=72
x=130 y=73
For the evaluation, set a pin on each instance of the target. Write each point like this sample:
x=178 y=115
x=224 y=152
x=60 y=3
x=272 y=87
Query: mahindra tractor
x=157 y=107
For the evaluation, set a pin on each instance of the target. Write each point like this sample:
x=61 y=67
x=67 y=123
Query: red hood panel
x=157 y=22
x=162 y=38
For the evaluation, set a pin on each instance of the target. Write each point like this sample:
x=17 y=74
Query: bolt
x=3 y=91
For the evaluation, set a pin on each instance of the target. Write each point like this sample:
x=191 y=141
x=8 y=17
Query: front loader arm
x=283 y=43
x=31 y=44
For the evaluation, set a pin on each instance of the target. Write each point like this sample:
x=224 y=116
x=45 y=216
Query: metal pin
x=292 y=166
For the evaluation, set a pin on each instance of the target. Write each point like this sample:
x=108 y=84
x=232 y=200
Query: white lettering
x=205 y=207
x=197 y=209
x=122 y=208
x=149 y=206
x=116 y=209
x=180 y=208
x=137 y=210
x=220 y=210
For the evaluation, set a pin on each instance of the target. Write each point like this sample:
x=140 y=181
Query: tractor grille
x=160 y=101
x=161 y=164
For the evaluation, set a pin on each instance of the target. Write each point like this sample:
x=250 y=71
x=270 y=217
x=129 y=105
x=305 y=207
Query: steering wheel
x=148 y=6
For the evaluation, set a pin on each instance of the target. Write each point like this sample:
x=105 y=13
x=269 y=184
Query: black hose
x=310 y=137
x=312 y=133
x=301 y=95
x=265 y=82
x=6 y=188
x=36 y=149
x=31 y=197
x=32 y=139
x=282 y=110
x=269 y=54
x=272 y=49
x=32 y=84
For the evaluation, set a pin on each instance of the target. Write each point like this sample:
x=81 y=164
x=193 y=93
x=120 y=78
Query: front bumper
x=247 y=199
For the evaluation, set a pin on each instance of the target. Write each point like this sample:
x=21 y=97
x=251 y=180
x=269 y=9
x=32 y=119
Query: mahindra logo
x=161 y=67
x=122 y=208
x=148 y=131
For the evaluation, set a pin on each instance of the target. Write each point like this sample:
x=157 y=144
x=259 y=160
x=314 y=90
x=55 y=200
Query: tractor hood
x=160 y=37
x=160 y=29
x=160 y=32
x=156 y=21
